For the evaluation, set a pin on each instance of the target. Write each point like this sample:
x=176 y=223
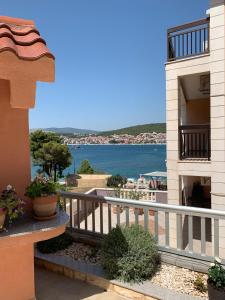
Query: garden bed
x=171 y=277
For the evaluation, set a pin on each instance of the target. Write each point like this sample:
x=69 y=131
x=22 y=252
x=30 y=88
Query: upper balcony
x=188 y=40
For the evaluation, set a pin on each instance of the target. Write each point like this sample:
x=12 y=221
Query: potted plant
x=43 y=193
x=216 y=281
x=11 y=206
x=117 y=193
x=136 y=195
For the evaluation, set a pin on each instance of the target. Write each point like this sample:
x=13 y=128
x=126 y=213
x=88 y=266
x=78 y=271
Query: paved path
x=52 y=286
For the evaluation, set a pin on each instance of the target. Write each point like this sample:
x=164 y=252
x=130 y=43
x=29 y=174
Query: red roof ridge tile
x=22 y=38
x=16 y=21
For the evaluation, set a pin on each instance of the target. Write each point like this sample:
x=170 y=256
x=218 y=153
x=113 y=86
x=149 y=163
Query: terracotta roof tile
x=21 y=37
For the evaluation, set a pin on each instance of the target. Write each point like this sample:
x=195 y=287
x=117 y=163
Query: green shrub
x=130 y=254
x=55 y=244
x=199 y=284
x=116 y=181
x=85 y=168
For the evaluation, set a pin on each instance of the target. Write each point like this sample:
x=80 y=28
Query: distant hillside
x=135 y=130
x=68 y=130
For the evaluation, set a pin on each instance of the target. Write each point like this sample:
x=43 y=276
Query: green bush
x=55 y=244
x=116 y=181
x=216 y=274
x=130 y=254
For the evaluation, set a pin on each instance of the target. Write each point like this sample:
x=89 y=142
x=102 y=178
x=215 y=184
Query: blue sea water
x=126 y=160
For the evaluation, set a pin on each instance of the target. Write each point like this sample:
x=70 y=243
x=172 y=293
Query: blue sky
x=110 y=57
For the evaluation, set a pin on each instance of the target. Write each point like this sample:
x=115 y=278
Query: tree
x=85 y=168
x=54 y=158
x=40 y=137
x=49 y=153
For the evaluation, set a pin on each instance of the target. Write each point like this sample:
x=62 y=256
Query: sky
x=110 y=57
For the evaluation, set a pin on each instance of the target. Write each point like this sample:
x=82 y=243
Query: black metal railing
x=188 y=40
x=195 y=141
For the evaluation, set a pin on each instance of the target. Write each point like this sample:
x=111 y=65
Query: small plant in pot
x=216 y=281
x=117 y=193
x=43 y=193
x=11 y=206
x=136 y=195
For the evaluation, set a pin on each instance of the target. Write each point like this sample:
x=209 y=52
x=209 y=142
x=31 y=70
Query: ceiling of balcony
x=196 y=86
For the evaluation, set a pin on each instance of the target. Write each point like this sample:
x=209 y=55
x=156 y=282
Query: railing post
x=168 y=47
x=146 y=219
x=216 y=237
x=156 y=226
x=203 y=244
x=179 y=231
x=190 y=234
x=167 y=229
x=181 y=143
x=101 y=217
x=109 y=217
x=209 y=145
x=127 y=215
x=78 y=213
x=93 y=216
x=71 y=213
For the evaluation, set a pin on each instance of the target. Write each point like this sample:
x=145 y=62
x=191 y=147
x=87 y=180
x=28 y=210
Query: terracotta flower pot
x=117 y=209
x=139 y=210
x=45 y=207
x=215 y=293
x=2 y=218
x=151 y=212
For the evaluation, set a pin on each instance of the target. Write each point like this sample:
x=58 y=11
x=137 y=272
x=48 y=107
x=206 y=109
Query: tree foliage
x=85 y=168
x=116 y=181
x=40 y=137
x=49 y=153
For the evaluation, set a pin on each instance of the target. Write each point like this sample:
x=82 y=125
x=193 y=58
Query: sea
x=126 y=160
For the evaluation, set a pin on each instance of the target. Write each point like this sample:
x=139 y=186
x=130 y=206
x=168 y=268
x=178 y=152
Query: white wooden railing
x=188 y=231
x=145 y=194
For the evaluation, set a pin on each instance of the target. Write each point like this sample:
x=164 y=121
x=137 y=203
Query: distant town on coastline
x=154 y=133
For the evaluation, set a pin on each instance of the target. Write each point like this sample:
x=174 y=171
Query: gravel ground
x=171 y=277
x=82 y=252
x=179 y=279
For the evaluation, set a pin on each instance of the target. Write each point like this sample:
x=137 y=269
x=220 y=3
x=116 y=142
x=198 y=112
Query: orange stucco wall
x=14 y=139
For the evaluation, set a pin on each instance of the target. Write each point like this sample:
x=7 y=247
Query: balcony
x=194 y=142
x=188 y=40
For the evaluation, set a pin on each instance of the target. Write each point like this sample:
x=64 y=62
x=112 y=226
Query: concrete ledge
x=94 y=274
x=185 y=262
